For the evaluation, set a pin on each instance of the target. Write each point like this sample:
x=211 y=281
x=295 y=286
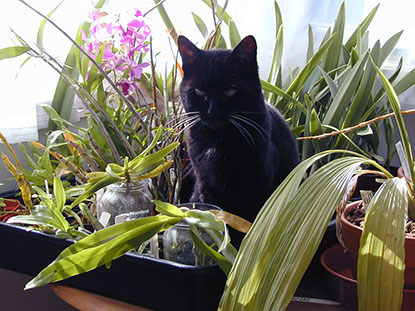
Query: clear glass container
x=178 y=245
x=130 y=199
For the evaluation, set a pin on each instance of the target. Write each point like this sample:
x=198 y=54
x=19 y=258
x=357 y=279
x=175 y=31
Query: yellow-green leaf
x=380 y=269
x=13 y=51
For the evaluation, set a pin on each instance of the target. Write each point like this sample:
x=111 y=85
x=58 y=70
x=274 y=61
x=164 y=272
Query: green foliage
x=335 y=90
x=276 y=251
x=48 y=214
x=382 y=252
x=110 y=243
x=141 y=167
x=64 y=95
x=381 y=256
x=13 y=51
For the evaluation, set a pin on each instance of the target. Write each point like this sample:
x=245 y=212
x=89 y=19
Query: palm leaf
x=380 y=268
x=277 y=250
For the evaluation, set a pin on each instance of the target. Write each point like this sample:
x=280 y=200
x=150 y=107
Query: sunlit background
x=22 y=87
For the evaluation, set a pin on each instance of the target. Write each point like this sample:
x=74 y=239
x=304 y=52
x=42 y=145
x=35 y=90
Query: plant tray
x=153 y=283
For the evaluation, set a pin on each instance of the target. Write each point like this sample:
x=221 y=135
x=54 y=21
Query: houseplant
x=338 y=92
x=100 y=154
x=279 y=269
x=263 y=255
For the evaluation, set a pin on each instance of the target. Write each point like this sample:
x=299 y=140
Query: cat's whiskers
x=244 y=132
x=253 y=124
x=182 y=117
x=193 y=122
x=184 y=120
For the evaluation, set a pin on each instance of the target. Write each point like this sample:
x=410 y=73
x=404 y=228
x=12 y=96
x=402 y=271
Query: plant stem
x=120 y=135
x=102 y=71
x=355 y=127
x=166 y=19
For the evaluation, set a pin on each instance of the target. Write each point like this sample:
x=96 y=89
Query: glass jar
x=178 y=245
x=131 y=200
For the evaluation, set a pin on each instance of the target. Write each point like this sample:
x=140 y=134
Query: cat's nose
x=213 y=107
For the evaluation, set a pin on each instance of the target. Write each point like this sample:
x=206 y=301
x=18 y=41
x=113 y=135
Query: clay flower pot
x=351 y=239
x=341 y=284
x=12 y=205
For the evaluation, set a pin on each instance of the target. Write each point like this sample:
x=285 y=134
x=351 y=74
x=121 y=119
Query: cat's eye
x=230 y=92
x=200 y=93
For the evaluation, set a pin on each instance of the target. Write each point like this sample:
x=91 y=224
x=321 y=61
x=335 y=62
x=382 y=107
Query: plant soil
x=357 y=217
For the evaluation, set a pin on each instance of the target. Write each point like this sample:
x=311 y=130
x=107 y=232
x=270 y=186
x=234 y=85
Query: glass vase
x=178 y=245
x=130 y=200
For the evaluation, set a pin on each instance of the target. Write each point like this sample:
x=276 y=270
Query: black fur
x=240 y=147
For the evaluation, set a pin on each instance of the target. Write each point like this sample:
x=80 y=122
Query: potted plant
x=262 y=252
x=132 y=134
x=276 y=251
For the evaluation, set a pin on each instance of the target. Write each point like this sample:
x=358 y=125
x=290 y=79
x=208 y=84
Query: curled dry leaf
x=236 y=222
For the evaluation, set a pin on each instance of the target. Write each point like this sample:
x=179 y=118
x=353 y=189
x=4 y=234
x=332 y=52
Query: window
x=34 y=83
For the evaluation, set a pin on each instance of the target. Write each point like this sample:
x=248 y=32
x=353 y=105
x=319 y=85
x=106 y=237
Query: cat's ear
x=245 y=52
x=188 y=51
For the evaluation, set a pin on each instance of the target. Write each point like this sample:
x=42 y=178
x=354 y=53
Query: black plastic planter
x=152 y=283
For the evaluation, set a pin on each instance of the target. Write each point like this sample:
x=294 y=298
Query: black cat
x=240 y=147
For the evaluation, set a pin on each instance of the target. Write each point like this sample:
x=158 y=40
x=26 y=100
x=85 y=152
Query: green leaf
x=312 y=126
x=234 y=36
x=405 y=82
x=35 y=220
x=29 y=160
x=310 y=46
x=91 y=218
x=168 y=209
x=344 y=94
x=221 y=260
x=277 y=57
x=200 y=25
x=13 y=51
x=362 y=28
x=330 y=83
x=42 y=27
x=101 y=248
x=360 y=103
x=333 y=54
x=396 y=107
x=380 y=268
x=153 y=143
x=204 y=220
x=220 y=12
x=301 y=79
x=367 y=130
x=389 y=46
x=90 y=189
x=64 y=96
x=278 y=18
x=275 y=253
x=59 y=193
x=145 y=164
x=266 y=86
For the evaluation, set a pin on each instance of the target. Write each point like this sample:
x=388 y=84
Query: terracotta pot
x=12 y=205
x=351 y=237
x=343 y=287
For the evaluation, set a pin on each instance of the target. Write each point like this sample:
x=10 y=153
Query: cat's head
x=220 y=83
